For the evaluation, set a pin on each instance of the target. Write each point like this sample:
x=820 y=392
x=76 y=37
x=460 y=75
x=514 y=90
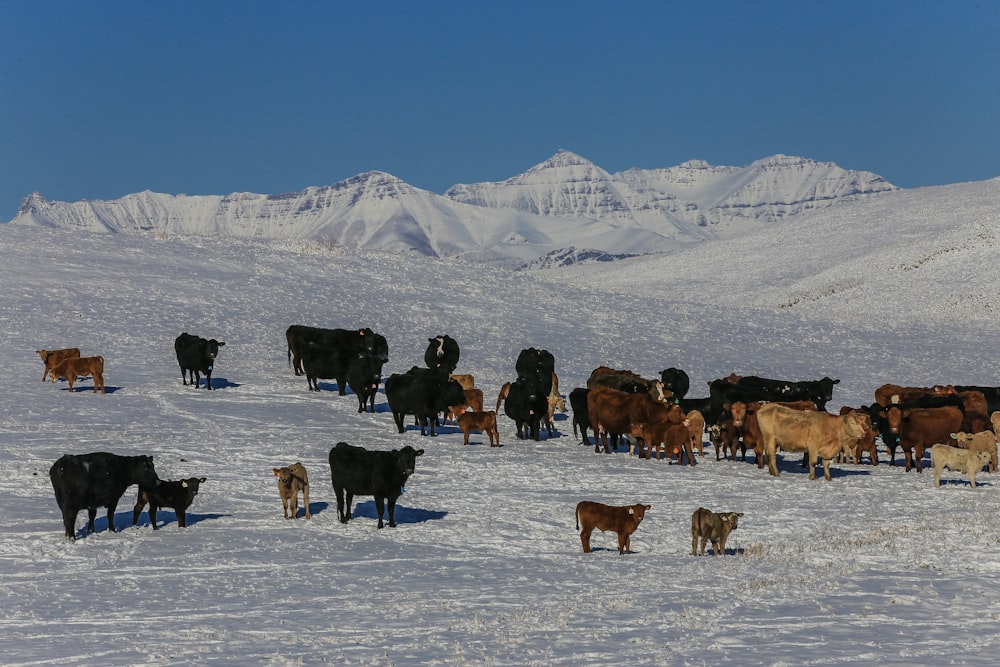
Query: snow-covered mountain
x=565 y=207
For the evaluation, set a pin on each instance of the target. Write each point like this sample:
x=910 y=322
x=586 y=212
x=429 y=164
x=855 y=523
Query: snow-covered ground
x=874 y=567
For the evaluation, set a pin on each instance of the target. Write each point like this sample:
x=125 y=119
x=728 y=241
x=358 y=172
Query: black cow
x=442 y=352
x=320 y=362
x=89 y=481
x=423 y=393
x=676 y=381
x=751 y=388
x=348 y=343
x=526 y=403
x=356 y=471
x=196 y=355
x=363 y=377
x=533 y=364
x=578 y=401
x=176 y=495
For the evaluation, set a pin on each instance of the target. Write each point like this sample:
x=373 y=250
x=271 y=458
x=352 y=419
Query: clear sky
x=101 y=99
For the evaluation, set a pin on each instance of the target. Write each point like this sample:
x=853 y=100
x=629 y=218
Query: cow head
x=638 y=512
x=826 y=387
x=192 y=483
x=406 y=462
x=142 y=472
x=437 y=344
x=730 y=518
x=212 y=348
x=893 y=418
x=739 y=412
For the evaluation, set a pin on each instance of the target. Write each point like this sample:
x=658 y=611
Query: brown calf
x=291 y=480
x=52 y=358
x=485 y=422
x=696 y=427
x=708 y=526
x=71 y=369
x=473 y=399
x=622 y=520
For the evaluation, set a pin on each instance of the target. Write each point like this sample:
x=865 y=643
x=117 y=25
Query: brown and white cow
x=708 y=526
x=72 y=368
x=623 y=520
x=52 y=358
x=967 y=461
x=820 y=434
x=485 y=422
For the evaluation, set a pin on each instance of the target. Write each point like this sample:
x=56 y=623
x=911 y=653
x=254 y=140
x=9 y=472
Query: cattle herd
x=653 y=418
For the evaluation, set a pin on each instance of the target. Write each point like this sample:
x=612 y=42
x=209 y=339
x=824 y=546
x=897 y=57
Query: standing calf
x=75 y=367
x=176 y=495
x=292 y=480
x=708 y=526
x=52 y=358
x=622 y=520
x=968 y=461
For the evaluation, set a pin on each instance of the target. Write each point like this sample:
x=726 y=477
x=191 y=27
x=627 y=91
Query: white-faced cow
x=89 y=481
x=196 y=355
x=359 y=471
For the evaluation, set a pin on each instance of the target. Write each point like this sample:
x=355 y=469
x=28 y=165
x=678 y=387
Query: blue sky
x=100 y=99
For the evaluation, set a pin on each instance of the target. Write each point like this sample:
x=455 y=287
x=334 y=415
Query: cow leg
x=826 y=469
x=918 y=456
x=342 y=385
x=379 y=509
x=398 y=418
x=111 y=516
x=340 y=504
x=69 y=521
x=392 y=512
x=812 y=464
x=350 y=501
x=293 y=505
x=585 y=539
x=152 y=515
x=624 y=544
x=208 y=378
x=91 y=515
x=181 y=518
x=305 y=501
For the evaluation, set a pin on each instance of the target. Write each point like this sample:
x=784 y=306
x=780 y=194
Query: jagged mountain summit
x=564 y=210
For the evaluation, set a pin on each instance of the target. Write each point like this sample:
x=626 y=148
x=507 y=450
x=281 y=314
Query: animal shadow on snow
x=165 y=517
x=793 y=464
x=89 y=388
x=219 y=383
x=366 y=510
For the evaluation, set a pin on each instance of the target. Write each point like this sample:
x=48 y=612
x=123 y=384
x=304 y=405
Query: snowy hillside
x=565 y=207
x=874 y=567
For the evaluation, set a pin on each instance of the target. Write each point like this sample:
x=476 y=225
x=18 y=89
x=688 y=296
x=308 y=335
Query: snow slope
x=875 y=566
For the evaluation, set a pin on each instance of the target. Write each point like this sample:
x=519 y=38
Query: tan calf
x=708 y=526
x=292 y=480
x=984 y=441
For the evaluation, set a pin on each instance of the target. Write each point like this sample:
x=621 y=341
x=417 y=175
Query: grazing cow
x=363 y=376
x=75 y=367
x=708 y=526
x=622 y=520
x=52 y=358
x=984 y=441
x=293 y=480
x=467 y=380
x=196 y=355
x=485 y=422
x=967 y=461
x=919 y=428
x=473 y=400
x=176 y=495
x=423 y=393
x=578 y=402
x=356 y=471
x=89 y=481
x=820 y=434
x=527 y=404
x=677 y=381
x=442 y=352
x=347 y=342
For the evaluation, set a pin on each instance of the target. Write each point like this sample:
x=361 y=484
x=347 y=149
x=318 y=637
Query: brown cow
x=52 y=358
x=894 y=394
x=623 y=520
x=820 y=434
x=504 y=390
x=72 y=368
x=696 y=427
x=919 y=428
x=603 y=376
x=292 y=480
x=708 y=526
x=974 y=408
x=485 y=422
x=473 y=399
x=674 y=438
x=984 y=441
x=612 y=411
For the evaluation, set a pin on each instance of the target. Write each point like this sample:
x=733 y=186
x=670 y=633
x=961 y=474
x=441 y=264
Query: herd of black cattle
x=901 y=416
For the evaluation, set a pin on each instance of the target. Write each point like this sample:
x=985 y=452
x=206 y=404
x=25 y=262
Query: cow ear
x=276 y=473
x=631 y=510
x=201 y=479
x=739 y=514
x=419 y=452
x=649 y=507
x=361 y=332
x=221 y=343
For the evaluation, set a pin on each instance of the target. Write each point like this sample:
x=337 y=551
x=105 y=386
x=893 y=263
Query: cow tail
x=577 y=515
x=289 y=355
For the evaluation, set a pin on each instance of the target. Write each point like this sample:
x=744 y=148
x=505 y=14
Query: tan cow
x=292 y=480
x=622 y=520
x=485 y=422
x=73 y=368
x=984 y=441
x=696 y=427
x=708 y=526
x=52 y=358
x=967 y=461
x=820 y=434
